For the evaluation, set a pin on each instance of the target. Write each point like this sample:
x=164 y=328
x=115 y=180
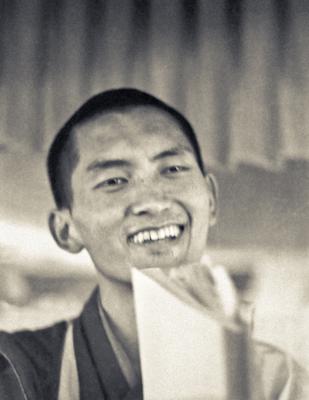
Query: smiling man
x=139 y=197
x=130 y=187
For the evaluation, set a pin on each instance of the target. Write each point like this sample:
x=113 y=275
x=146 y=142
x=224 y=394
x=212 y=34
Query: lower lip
x=159 y=242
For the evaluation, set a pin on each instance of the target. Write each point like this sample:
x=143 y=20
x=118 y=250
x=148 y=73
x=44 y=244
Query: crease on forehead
x=159 y=120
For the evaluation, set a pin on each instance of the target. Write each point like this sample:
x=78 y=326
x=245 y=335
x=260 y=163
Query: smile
x=170 y=232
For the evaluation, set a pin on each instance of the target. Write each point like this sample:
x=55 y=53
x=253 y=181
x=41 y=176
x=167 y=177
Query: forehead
x=136 y=128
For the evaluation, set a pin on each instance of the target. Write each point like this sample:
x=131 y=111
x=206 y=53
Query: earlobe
x=213 y=198
x=63 y=231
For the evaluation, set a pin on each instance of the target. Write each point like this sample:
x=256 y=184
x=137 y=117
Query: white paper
x=181 y=347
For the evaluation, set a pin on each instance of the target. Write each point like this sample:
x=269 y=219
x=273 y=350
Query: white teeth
x=161 y=234
x=176 y=230
x=140 y=237
x=153 y=235
x=172 y=231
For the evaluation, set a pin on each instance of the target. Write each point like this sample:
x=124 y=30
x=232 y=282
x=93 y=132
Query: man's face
x=139 y=196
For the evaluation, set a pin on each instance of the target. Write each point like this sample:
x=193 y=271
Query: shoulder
x=33 y=343
x=32 y=355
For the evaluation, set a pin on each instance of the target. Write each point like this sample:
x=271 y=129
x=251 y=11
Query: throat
x=118 y=305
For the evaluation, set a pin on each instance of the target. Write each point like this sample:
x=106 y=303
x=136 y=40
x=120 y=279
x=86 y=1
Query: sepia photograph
x=154 y=200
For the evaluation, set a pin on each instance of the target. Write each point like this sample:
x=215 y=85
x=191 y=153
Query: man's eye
x=175 y=169
x=112 y=183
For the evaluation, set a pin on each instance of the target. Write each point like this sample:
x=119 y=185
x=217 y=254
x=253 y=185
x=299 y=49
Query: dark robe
x=30 y=361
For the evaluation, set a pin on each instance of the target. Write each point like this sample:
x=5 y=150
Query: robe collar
x=100 y=376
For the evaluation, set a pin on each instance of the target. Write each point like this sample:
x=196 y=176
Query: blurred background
x=238 y=69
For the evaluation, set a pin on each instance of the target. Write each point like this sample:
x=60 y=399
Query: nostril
x=150 y=207
x=141 y=212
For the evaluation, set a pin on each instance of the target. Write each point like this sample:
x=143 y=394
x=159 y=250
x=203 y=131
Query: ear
x=213 y=198
x=63 y=231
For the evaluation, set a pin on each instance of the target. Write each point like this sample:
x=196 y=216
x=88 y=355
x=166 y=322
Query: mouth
x=154 y=235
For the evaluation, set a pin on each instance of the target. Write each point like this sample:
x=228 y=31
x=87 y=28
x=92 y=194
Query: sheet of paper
x=181 y=347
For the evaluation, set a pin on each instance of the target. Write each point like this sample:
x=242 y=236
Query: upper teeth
x=156 y=234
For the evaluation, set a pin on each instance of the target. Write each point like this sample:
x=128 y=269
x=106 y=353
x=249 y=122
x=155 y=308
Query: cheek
x=97 y=225
x=199 y=209
x=196 y=195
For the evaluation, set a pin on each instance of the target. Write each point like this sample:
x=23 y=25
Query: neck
x=117 y=301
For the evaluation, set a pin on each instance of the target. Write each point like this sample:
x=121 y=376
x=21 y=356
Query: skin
x=155 y=182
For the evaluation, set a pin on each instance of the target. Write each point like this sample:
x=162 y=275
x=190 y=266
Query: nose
x=151 y=207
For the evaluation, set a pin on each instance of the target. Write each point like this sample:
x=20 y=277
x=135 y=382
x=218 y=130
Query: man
x=130 y=187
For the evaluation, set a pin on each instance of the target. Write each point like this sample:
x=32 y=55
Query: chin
x=160 y=261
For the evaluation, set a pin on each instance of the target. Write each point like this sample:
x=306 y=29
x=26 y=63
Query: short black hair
x=63 y=154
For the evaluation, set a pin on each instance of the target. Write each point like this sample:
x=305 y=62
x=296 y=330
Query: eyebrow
x=106 y=164
x=173 y=152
